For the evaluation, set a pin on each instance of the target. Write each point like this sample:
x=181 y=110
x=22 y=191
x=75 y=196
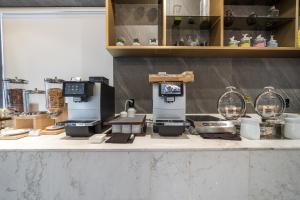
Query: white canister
x=292 y=128
x=116 y=128
x=126 y=129
x=250 y=128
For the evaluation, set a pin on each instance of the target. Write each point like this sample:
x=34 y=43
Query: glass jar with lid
x=269 y=104
x=14 y=93
x=232 y=104
x=54 y=95
x=34 y=100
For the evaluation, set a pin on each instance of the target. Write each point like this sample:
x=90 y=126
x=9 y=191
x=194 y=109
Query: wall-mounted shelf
x=161 y=19
x=121 y=51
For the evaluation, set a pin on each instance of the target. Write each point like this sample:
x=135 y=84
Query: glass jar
x=33 y=101
x=269 y=104
x=14 y=93
x=55 y=101
x=232 y=104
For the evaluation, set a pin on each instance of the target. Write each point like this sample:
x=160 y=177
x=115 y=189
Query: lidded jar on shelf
x=14 y=92
x=232 y=104
x=269 y=104
x=34 y=100
x=55 y=101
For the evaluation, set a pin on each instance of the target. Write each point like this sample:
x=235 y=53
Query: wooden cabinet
x=176 y=25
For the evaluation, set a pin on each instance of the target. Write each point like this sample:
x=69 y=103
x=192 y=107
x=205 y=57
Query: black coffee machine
x=90 y=103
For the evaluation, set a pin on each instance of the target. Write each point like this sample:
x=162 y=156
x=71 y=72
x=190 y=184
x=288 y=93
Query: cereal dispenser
x=34 y=99
x=54 y=95
x=14 y=93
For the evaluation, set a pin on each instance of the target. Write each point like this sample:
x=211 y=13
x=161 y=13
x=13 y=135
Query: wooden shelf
x=262 y=23
x=186 y=51
x=250 y=2
x=157 y=22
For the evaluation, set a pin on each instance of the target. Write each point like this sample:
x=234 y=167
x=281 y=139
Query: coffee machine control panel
x=79 y=90
x=74 y=89
x=171 y=89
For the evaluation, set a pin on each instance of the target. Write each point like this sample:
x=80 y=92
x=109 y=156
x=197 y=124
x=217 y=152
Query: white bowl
x=292 y=128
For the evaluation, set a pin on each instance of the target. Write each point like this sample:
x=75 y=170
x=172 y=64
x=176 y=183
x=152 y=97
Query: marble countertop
x=151 y=142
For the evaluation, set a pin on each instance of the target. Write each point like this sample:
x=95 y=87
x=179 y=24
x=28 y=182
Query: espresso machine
x=90 y=103
x=169 y=102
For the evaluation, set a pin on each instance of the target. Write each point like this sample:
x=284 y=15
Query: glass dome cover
x=269 y=104
x=232 y=104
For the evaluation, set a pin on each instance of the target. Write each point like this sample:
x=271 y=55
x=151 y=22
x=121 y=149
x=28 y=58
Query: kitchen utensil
x=124 y=114
x=260 y=42
x=250 y=128
x=245 y=41
x=273 y=12
x=269 y=104
x=292 y=128
x=13 y=132
x=33 y=99
x=126 y=129
x=272 y=43
x=232 y=104
x=14 y=93
x=136 y=125
x=97 y=139
x=119 y=138
x=215 y=127
x=169 y=103
x=55 y=101
x=90 y=104
x=116 y=128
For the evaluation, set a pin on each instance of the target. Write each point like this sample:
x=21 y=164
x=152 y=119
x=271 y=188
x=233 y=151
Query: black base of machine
x=169 y=128
x=83 y=128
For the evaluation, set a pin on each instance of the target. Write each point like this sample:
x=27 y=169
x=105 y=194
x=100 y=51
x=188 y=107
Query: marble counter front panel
x=146 y=175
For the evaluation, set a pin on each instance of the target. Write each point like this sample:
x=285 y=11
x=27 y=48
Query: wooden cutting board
x=185 y=77
x=13 y=137
x=53 y=132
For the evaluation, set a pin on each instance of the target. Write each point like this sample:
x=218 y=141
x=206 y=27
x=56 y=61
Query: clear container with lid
x=55 y=101
x=232 y=104
x=269 y=104
x=14 y=93
x=34 y=99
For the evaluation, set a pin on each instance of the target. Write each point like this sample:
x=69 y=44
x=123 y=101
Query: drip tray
x=203 y=118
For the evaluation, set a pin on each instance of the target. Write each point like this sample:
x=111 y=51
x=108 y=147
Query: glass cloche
x=269 y=104
x=232 y=104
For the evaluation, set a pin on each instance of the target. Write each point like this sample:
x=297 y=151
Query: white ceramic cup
x=124 y=114
x=126 y=129
x=131 y=112
x=292 y=128
x=250 y=128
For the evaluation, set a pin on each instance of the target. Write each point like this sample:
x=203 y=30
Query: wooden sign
x=185 y=77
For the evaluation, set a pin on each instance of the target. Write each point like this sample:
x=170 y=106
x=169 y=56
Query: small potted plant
x=120 y=42
x=153 y=42
x=136 y=42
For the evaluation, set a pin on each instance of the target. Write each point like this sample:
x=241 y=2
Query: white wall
x=66 y=43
